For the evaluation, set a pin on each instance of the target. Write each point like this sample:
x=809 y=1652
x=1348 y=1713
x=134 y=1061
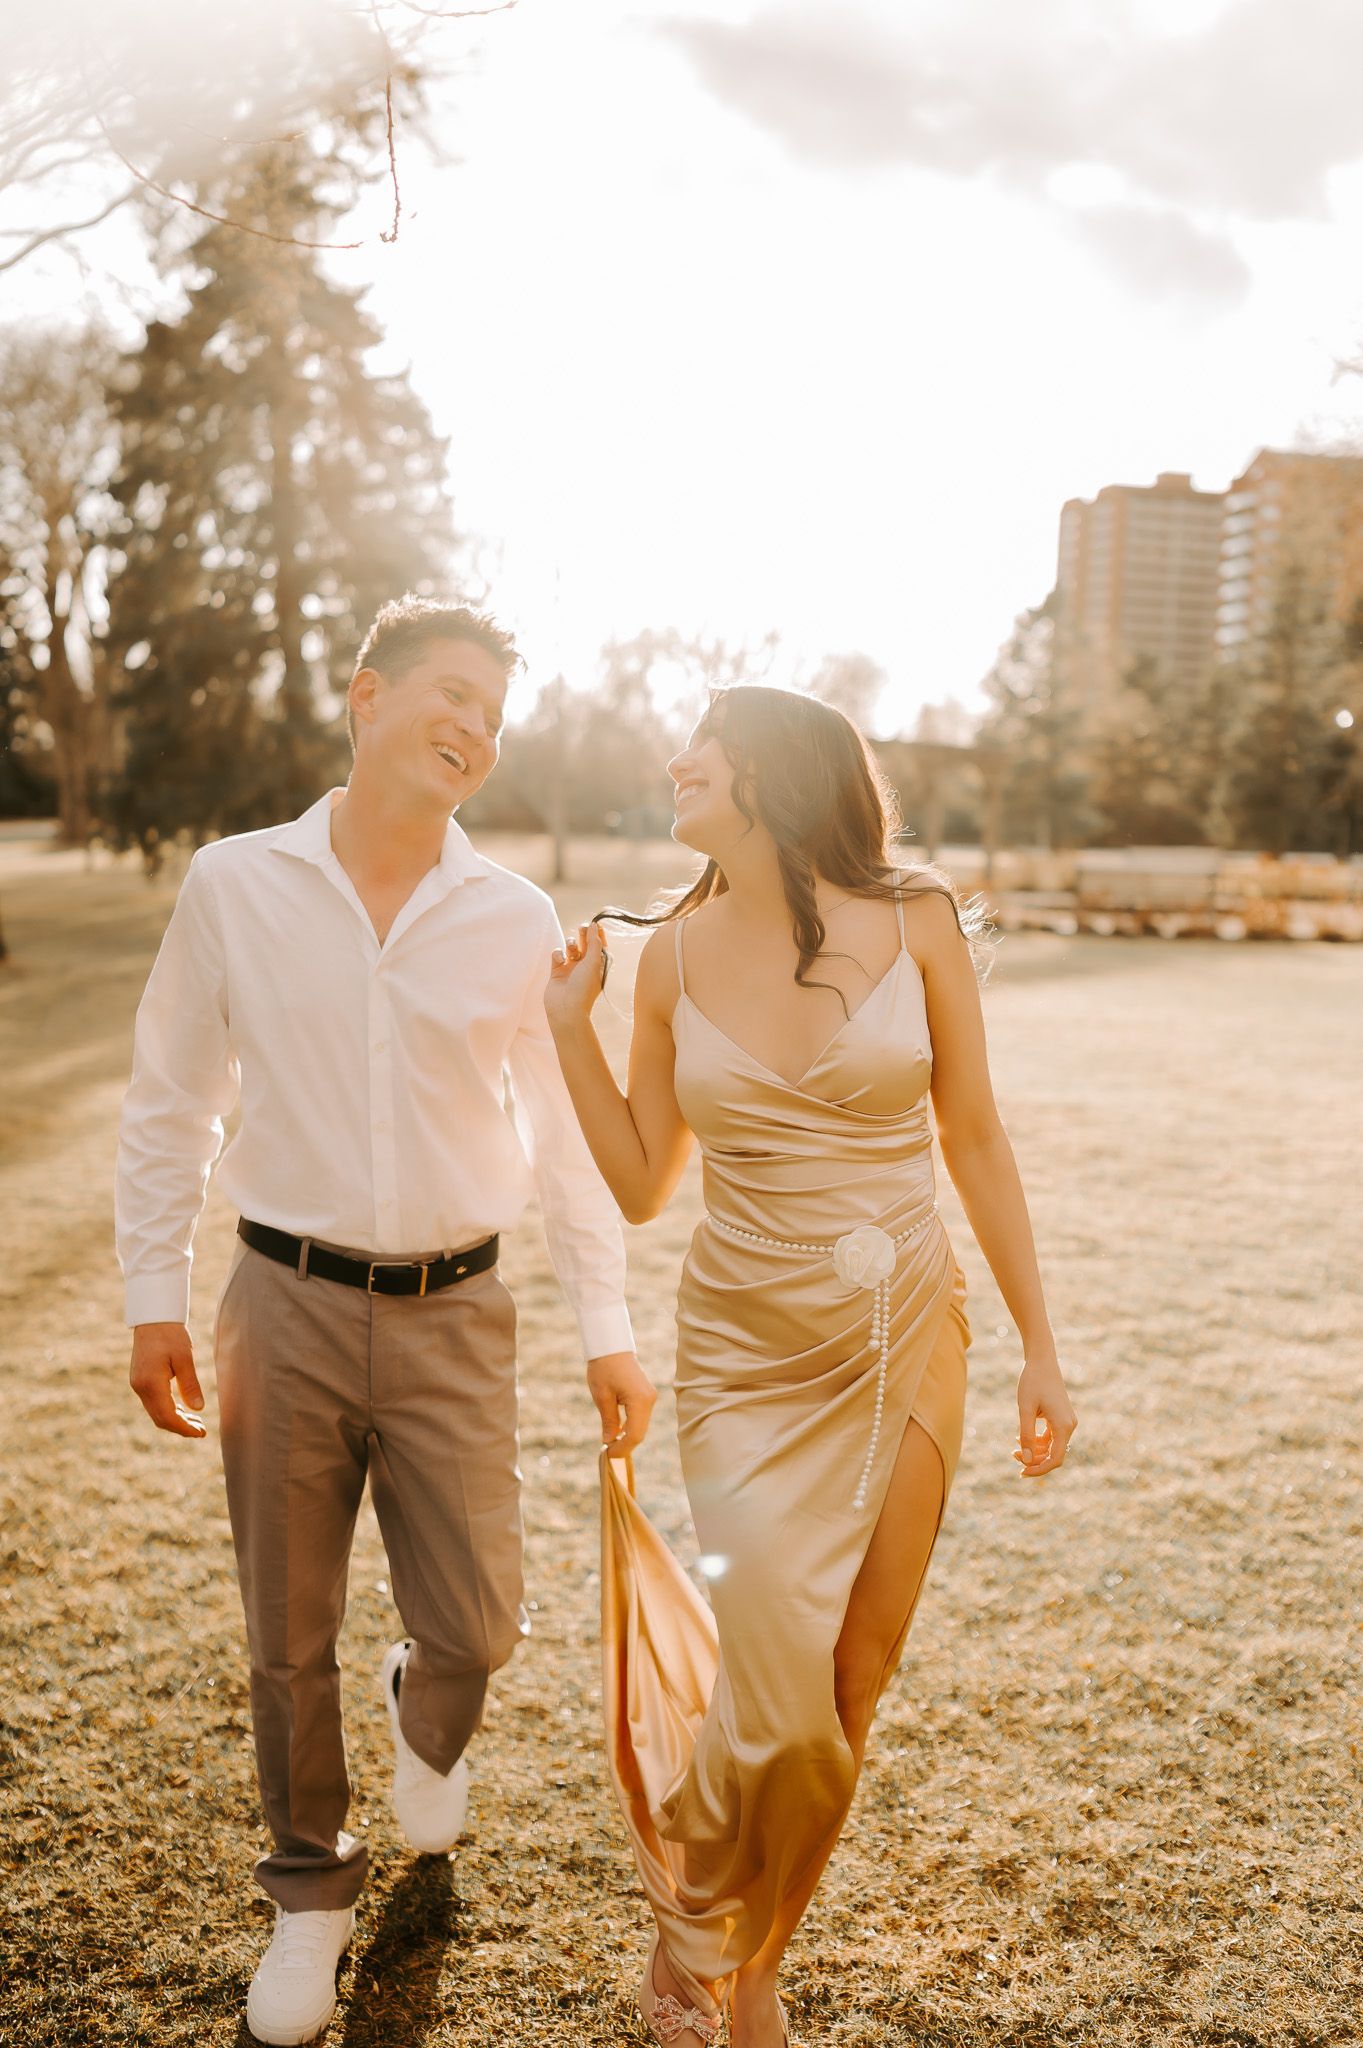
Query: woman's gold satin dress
x=725 y=1746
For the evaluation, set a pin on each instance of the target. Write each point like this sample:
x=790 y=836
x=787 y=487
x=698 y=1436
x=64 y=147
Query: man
x=365 y=980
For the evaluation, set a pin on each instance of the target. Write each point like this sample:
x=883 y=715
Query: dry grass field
x=1115 y=1796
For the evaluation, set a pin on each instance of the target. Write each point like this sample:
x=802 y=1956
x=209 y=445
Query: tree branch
x=454 y=13
x=382 y=34
x=12 y=166
x=44 y=120
x=50 y=114
x=70 y=227
x=392 y=234
x=222 y=220
x=48 y=169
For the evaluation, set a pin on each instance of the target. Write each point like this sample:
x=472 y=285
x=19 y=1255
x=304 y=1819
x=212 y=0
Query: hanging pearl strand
x=880 y=1324
x=880 y=1341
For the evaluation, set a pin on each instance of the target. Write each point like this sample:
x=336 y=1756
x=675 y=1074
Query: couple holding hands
x=365 y=983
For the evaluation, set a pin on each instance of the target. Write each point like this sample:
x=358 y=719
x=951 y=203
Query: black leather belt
x=376 y=1276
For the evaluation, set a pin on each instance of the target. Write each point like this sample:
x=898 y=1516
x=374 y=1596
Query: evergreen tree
x=1342 y=775
x=274 y=492
x=1038 y=731
x=26 y=787
x=1278 y=761
x=1148 y=788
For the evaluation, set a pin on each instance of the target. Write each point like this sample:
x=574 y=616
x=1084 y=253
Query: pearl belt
x=864 y=1257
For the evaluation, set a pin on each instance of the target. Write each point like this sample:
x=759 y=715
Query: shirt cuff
x=605 y=1330
x=157 y=1298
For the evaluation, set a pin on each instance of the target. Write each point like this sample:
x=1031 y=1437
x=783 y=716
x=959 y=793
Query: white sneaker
x=430 y=1806
x=293 y=1993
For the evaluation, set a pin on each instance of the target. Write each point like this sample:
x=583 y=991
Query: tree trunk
x=71 y=714
x=65 y=709
x=295 y=689
x=992 y=776
x=295 y=685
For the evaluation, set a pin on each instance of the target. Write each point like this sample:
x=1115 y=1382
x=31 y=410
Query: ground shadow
x=390 y=1987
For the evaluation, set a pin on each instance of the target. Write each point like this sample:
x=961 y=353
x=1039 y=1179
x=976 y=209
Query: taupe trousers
x=320 y=1384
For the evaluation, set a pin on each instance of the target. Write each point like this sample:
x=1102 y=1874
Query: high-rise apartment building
x=1289 y=506
x=1138 y=577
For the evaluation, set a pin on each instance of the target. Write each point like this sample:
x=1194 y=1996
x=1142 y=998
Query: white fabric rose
x=864 y=1257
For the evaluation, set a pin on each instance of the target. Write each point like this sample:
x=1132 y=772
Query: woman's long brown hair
x=805 y=772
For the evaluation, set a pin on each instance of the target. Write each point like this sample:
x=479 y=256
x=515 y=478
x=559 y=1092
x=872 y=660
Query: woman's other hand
x=1046 y=1418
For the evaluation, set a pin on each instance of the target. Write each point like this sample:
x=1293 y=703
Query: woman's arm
x=639 y=1140
x=980 y=1161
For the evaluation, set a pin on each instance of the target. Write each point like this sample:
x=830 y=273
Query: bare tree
x=100 y=105
x=57 y=453
x=948 y=723
x=851 y=683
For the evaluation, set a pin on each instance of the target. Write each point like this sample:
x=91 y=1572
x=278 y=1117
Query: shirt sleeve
x=581 y=1221
x=184 y=1082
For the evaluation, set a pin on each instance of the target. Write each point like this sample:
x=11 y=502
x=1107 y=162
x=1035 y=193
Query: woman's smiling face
x=707 y=817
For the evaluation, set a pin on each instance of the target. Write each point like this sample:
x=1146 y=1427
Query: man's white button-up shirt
x=372 y=1078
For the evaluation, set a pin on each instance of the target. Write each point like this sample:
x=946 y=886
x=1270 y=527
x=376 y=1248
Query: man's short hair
x=407 y=626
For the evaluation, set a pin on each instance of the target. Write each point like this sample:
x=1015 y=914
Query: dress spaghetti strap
x=681 y=970
x=899 y=912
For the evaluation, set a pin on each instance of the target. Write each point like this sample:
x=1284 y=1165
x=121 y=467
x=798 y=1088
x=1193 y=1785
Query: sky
x=809 y=316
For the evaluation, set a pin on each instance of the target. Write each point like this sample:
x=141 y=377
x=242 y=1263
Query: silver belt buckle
x=398 y=1266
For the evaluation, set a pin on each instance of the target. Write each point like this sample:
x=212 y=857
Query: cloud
x=850 y=87
x=1162 y=254
x=1242 y=117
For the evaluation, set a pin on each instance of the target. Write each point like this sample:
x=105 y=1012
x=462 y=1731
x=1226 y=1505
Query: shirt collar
x=309 y=838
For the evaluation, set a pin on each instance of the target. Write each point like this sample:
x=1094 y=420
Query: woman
x=803 y=1000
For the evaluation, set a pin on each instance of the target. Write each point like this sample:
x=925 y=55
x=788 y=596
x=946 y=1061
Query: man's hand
x=624 y=1397
x=163 y=1357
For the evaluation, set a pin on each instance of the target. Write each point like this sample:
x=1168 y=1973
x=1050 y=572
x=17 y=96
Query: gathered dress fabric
x=725 y=1746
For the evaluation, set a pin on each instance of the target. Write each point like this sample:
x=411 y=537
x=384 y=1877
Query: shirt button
x=381 y=1045
x=381 y=1127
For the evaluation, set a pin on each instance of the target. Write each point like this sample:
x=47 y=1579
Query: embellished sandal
x=666 y=2018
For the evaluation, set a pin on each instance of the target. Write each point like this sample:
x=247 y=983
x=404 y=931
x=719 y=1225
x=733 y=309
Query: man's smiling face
x=435 y=729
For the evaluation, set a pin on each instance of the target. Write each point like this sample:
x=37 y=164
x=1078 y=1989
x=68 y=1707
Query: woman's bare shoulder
x=657 y=983
x=931 y=925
